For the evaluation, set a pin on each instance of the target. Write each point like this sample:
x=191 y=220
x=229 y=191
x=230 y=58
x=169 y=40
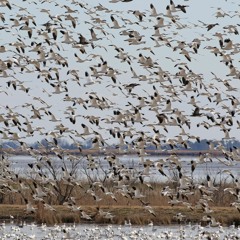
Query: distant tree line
x=64 y=144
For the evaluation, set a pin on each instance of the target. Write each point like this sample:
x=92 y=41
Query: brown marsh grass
x=123 y=209
x=165 y=215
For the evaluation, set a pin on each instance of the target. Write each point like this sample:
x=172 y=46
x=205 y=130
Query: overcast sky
x=185 y=28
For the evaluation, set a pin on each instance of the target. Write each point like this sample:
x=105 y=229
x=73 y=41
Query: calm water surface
x=214 y=168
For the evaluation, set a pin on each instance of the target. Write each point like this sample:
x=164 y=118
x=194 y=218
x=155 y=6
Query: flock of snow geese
x=118 y=74
x=68 y=232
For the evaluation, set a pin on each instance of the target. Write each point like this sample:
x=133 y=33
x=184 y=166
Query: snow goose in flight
x=115 y=23
x=153 y=11
x=29 y=207
x=136 y=193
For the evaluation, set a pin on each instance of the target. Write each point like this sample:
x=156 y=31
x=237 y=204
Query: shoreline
x=85 y=152
x=165 y=215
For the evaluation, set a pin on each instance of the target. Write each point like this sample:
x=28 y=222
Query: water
x=116 y=232
x=215 y=167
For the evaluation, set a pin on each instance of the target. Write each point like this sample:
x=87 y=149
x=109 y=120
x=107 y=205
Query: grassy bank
x=136 y=214
x=90 y=196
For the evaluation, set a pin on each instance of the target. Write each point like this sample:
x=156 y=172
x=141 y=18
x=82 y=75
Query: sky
x=206 y=72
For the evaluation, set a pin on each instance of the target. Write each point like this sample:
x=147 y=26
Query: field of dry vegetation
x=122 y=208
